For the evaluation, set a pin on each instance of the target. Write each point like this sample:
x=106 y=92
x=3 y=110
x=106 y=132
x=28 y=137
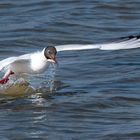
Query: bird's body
x=29 y=63
x=33 y=63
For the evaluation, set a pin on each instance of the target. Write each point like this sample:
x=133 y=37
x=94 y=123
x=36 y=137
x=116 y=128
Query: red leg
x=5 y=78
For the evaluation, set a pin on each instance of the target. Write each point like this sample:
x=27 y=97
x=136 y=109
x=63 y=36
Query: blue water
x=96 y=93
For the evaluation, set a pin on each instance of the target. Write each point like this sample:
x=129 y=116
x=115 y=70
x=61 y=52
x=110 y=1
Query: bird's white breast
x=39 y=63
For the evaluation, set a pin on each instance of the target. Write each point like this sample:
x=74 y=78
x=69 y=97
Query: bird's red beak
x=54 y=58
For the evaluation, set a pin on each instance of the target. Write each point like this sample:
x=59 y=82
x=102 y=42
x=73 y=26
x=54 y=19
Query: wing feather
x=6 y=62
x=129 y=42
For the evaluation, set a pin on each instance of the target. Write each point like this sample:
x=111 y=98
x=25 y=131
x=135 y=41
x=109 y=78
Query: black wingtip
x=130 y=37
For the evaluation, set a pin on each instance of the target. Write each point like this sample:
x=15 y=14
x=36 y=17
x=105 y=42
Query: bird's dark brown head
x=50 y=53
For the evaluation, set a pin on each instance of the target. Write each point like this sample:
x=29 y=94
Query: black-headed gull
x=32 y=63
x=38 y=62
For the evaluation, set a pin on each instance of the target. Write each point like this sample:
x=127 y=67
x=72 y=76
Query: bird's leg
x=5 y=78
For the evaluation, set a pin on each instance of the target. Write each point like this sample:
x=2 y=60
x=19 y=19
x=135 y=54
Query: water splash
x=21 y=86
x=48 y=85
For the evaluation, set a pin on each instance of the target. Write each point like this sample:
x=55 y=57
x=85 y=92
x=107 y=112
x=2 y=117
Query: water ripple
x=95 y=93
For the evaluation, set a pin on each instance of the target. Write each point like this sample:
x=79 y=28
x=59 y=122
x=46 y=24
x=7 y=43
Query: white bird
x=38 y=62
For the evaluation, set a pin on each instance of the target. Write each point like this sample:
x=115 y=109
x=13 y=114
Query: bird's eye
x=49 y=52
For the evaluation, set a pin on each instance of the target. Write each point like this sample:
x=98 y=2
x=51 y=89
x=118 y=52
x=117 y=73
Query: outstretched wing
x=129 y=42
x=6 y=62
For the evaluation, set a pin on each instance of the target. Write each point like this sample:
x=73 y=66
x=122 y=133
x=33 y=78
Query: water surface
x=96 y=93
